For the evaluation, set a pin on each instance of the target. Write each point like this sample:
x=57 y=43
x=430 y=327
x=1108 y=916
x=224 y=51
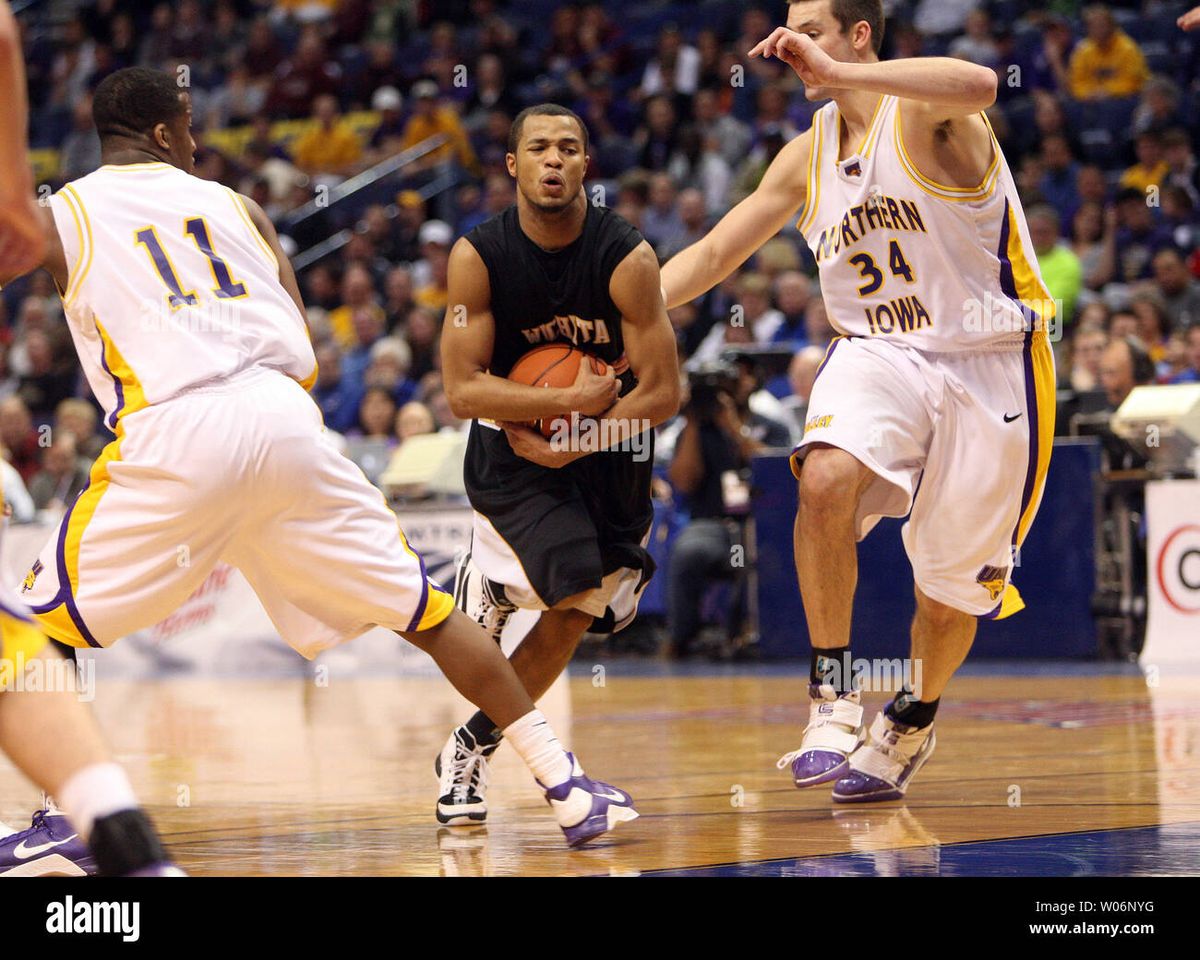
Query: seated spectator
x=1108 y=62
x=338 y=396
x=675 y=67
x=358 y=296
x=976 y=44
x=1179 y=291
x=1138 y=239
x=802 y=373
x=421 y=331
x=431 y=272
x=1123 y=366
x=385 y=139
x=1122 y=324
x=1159 y=108
x=1093 y=241
x=1153 y=327
x=18 y=437
x=306 y=75
x=429 y=119
x=1191 y=342
x=661 y=224
x=371 y=443
x=330 y=148
x=1059 y=175
x=397 y=297
x=1087 y=349
x=79 y=154
x=658 y=138
x=413 y=419
x=1059 y=265
x=1182 y=169
x=391 y=359
x=80 y=419
x=1151 y=169
x=753 y=314
x=63 y=475
x=793 y=290
x=52 y=373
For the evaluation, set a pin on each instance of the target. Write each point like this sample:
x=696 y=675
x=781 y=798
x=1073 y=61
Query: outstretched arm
x=23 y=238
x=743 y=229
x=948 y=86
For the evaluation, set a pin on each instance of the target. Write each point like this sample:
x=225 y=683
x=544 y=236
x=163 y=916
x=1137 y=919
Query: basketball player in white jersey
x=190 y=328
x=942 y=378
x=44 y=728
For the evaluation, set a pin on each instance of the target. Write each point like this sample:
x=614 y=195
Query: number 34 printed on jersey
x=870 y=272
x=227 y=288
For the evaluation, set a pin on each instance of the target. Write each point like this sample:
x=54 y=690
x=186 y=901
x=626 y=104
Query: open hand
x=800 y=52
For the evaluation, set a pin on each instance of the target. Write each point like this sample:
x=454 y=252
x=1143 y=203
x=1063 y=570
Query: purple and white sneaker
x=586 y=808
x=834 y=732
x=882 y=768
x=49 y=847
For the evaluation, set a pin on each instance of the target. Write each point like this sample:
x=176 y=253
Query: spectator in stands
x=732 y=136
x=414 y=419
x=1107 y=63
x=431 y=272
x=1179 y=291
x=1151 y=168
x=235 y=102
x=306 y=75
x=1182 y=169
x=661 y=223
x=386 y=138
x=80 y=151
x=79 y=418
x=330 y=148
x=1087 y=349
x=368 y=324
x=816 y=322
x=1138 y=237
x=802 y=373
x=18 y=437
x=52 y=373
x=338 y=396
x=321 y=288
x=1191 y=339
x=976 y=44
x=1153 y=326
x=156 y=44
x=428 y=120
x=1093 y=240
x=1060 y=172
x=490 y=91
x=264 y=55
x=1059 y=265
x=381 y=72
x=421 y=332
x=1123 y=323
x=657 y=139
x=398 y=299
x=755 y=322
x=358 y=297
x=693 y=223
x=1159 y=108
x=391 y=360
x=1123 y=366
x=675 y=67
x=942 y=18
x=63 y=475
x=793 y=290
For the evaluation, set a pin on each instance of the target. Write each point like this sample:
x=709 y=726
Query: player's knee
x=829 y=481
x=937 y=615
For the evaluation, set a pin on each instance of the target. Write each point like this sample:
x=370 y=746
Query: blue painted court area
x=1167 y=850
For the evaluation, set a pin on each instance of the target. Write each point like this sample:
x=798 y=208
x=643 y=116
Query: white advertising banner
x=1173 y=567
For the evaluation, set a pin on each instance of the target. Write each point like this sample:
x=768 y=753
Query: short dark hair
x=848 y=12
x=131 y=102
x=543 y=110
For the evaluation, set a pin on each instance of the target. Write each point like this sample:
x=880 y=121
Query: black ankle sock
x=123 y=842
x=832 y=666
x=912 y=712
x=483 y=729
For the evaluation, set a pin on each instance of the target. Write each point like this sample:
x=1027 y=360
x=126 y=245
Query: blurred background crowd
x=373 y=132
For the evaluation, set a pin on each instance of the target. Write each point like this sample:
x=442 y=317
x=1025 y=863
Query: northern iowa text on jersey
x=878 y=213
x=572 y=328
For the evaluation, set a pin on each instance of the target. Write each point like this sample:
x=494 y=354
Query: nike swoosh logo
x=618 y=797
x=1008 y=419
x=24 y=852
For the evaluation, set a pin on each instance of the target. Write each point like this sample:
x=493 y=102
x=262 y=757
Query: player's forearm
x=645 y=406
x=942 y=81
x=690 y=274
x=482 y=395
x=15 y=177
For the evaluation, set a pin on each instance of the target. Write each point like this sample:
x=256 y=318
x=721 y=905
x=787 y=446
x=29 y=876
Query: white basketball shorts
x=241 y=472
x=959 y=443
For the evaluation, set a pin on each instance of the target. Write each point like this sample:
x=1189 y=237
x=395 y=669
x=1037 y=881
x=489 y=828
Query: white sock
x=533 y=739
x=95 y=792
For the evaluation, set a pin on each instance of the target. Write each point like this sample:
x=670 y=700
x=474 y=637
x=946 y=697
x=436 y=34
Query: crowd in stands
x=1096 y=113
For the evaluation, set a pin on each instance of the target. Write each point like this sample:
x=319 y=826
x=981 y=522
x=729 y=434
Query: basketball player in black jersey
x=560 y=528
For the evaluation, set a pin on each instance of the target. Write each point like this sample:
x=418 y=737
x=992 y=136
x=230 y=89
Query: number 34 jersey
x=170 y=285
x=901 y=257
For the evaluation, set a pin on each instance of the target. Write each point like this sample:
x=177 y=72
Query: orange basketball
x=552 y=365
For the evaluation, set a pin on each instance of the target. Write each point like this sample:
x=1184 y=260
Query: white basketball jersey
x=938 y=268
x=170 y=285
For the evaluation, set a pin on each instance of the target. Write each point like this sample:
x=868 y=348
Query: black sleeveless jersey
x=561 y=297
x=549 y=517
